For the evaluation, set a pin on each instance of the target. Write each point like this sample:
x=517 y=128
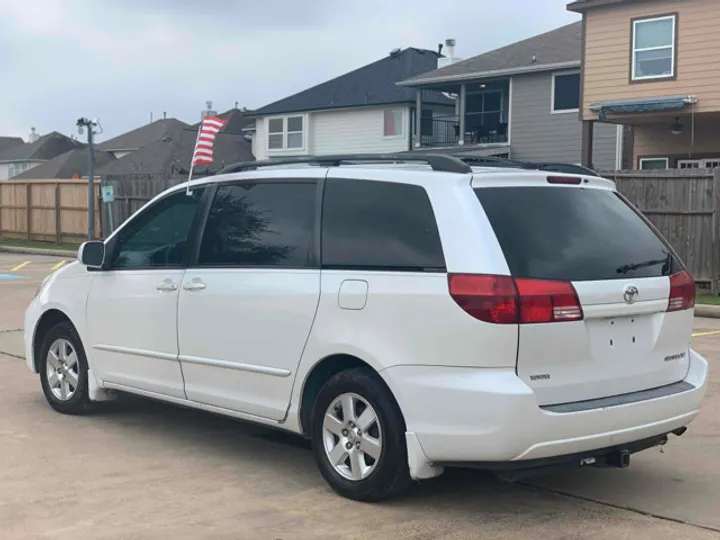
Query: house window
x=698 y=163
x=650 y=164
x=565 y=92
x=17 y=168
x=393 y=123
x=654 y=42
x=286 y=133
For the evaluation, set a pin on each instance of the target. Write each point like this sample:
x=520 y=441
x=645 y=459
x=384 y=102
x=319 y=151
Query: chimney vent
x=450 y=57
x=209 y=111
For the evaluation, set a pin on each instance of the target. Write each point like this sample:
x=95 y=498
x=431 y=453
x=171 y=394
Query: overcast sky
x=121 y=60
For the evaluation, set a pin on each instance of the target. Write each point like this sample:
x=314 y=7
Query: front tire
x=64 y=370
x=358 y=437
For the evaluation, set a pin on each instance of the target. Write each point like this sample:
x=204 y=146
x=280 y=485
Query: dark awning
x=641 y=105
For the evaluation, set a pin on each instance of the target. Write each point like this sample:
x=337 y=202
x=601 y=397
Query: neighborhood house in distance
x=626 y=87
x=651 y=65
x=520 y=101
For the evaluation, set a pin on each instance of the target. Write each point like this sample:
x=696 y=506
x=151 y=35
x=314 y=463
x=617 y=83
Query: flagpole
x=192 y=160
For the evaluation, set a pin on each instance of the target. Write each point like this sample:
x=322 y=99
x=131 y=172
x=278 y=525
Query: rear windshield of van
x=573 y=234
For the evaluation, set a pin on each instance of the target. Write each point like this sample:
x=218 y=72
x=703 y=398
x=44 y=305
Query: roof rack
x=438 y=162
x=492 y=161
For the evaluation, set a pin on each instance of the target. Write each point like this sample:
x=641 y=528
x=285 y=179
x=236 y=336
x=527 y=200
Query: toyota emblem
x=631 y=294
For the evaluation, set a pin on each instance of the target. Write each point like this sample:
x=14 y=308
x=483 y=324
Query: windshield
x=574 y=234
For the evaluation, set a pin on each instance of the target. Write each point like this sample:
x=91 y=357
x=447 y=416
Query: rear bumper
x=462 y=415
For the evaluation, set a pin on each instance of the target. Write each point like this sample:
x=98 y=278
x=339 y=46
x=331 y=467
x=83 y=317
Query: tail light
x=504 y=300
x=548 y=301
x=682 y=292
x=487 y=298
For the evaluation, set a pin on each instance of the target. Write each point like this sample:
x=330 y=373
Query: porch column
x=586 y=153
x=461 y=114
x=418 y=117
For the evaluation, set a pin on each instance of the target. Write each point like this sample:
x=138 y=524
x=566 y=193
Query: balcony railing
x=480 y=128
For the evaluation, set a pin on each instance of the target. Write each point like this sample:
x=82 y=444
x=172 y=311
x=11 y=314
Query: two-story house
x=649 y=64
x=520 y=101
x=363 y=111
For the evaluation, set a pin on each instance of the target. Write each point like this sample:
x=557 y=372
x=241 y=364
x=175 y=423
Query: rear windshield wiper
x=645 y=264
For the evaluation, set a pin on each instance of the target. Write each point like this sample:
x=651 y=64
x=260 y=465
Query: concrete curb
x=705 y=310
x=38 y=251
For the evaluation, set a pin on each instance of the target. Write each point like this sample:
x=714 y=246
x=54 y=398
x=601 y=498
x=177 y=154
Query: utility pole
x=83 y=123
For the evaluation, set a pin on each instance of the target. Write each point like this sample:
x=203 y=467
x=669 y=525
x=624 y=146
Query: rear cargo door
x=622 y=272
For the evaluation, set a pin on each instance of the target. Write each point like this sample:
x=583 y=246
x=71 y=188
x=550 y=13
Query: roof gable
x=67 y=165
x=237 y=121
x=142 y=136
x=373 y=84
x=172 y=154
x=560 y=46
x=45 y=148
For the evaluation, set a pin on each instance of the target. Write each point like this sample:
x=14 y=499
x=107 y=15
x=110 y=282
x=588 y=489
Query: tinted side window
x=573 y=234
x=260 y=225
x=379 y=225
x=158 y=236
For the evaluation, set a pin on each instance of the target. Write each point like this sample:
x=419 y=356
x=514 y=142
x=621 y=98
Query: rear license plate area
x=620 y=334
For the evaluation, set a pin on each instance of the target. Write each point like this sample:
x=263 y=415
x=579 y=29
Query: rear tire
x=358 y=437
x=64 y=370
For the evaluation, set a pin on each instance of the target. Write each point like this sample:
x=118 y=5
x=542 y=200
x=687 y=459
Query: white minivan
x=405 y=317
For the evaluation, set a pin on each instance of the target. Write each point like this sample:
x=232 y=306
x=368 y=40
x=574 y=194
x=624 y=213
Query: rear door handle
x=195 y=285
x=167 y=285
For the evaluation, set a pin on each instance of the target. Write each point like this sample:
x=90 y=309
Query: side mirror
x=92 y=254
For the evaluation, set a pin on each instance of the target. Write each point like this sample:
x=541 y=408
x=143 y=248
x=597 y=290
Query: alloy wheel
x=62 y=369
x=352 y=436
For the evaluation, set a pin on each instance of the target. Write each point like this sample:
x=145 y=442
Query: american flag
x=203 y=153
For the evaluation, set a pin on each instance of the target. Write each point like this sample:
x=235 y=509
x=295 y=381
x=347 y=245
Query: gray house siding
x=538 y=135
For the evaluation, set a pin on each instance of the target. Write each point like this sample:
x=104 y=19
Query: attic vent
x=394 y=52
x=166 y=138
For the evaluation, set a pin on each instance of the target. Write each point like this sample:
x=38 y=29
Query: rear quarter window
x=379 y=226
x=573 y=234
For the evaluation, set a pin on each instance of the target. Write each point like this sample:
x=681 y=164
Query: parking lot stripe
x=19 y=266
x=58 y=265
x=701 y=334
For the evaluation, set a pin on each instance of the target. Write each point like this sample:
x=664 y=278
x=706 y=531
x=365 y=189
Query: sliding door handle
x=194 y=285
x=167 y=285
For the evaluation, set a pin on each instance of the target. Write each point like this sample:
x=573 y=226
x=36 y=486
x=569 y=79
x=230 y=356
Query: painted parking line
x=701 y=334
x=11 y=276
x=21 y=265
x=58 y=265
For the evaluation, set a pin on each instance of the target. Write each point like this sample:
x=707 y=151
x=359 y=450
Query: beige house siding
x=656 y=140
x=608 y=54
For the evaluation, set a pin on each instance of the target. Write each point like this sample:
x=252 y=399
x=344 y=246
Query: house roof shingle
x=45 y=148
x=237 y=121
x=6 y=143
x=142 y=136
x=172 y=153
x=558 y=47
x=67 y=165
x=373 y=84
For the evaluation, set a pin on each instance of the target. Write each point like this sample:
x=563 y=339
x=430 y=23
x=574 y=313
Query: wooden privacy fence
x=683 y=204
x=47 y=210
x=131 y=192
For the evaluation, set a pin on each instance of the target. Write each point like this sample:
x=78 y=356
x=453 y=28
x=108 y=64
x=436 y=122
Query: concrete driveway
x=140 y=469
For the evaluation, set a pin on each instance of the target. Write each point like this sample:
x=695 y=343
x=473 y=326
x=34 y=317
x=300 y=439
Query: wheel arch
x=320 y=373
x=47 y=320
